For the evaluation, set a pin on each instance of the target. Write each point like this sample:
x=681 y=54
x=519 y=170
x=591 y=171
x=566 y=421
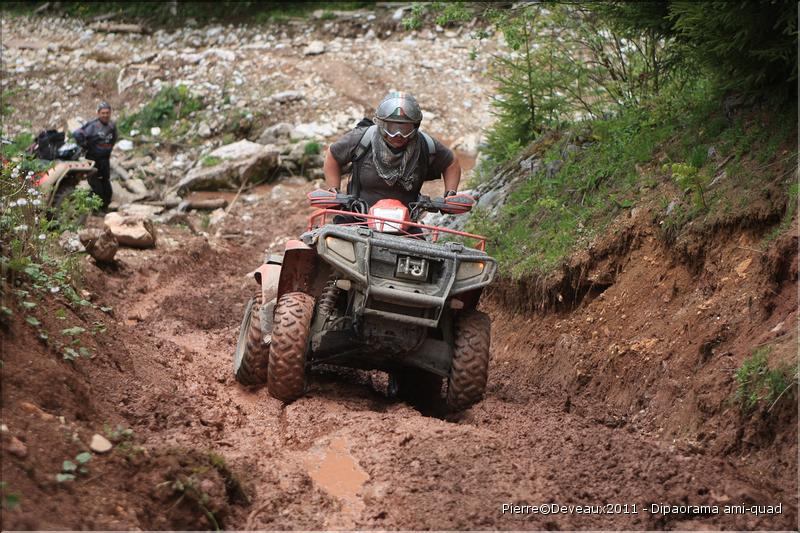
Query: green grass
x=756 y=382
x=210 y=161
x=19 y=144
x=548 y=217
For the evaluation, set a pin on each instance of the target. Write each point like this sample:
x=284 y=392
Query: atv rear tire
x=251 y=359
x=286 y=378
x=470 y=370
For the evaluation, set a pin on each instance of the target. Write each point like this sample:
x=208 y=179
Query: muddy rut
x=346 y=456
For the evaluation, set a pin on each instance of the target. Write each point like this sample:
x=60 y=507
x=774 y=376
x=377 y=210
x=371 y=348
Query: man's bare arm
x=332 y=170
x=451 y=176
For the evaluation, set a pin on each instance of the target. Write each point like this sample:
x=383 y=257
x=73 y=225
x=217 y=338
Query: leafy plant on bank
x=167 y=106
x=32 y=264
x=71 y=469
x=757 y=382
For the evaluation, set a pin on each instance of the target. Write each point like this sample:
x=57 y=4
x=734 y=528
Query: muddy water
x=336 y=471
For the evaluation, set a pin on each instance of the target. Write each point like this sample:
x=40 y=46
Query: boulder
x=141 y=210
x=276 y=133
x=314 y=48
x=131 y=230
x=137 y=187
x=100 y=244
x=241 y=161
x=311 y=130
x=120 y=195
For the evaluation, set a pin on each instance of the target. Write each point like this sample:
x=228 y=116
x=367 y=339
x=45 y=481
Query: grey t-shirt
x=373 y=187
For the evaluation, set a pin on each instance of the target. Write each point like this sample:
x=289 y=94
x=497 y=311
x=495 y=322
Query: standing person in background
x=98 y=138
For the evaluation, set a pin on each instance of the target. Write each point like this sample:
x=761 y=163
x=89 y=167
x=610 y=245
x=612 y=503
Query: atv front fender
x=299 y=271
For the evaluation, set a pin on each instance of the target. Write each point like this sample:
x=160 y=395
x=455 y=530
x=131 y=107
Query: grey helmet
x=399 y=107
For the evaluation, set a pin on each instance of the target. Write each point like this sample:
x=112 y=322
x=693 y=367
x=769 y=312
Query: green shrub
x=312 y=148
x=169 y=105
x=757 y=382
x=691 y=180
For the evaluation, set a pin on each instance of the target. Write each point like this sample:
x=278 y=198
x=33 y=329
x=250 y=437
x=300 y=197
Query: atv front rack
x=427 y=232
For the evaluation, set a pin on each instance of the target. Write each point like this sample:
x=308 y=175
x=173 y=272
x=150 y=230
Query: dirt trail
x=345 y=456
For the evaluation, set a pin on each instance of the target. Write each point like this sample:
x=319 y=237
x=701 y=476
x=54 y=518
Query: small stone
x=125 y=145
x=17 y=447
x=204 y=130
x=36 y=410
x=100 y=444
x=155 y=132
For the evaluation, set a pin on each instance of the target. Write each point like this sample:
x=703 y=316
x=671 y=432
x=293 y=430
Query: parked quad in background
x=375 y=291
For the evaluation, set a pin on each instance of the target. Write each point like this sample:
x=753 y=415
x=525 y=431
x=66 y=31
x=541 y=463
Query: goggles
x=398 y=129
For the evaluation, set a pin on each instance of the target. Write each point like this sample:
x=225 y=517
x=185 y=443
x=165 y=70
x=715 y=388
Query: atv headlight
x=469 y=269
x=341 y=247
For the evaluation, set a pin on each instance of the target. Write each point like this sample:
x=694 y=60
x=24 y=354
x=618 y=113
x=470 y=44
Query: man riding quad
x=376 y=289
x=392 y=158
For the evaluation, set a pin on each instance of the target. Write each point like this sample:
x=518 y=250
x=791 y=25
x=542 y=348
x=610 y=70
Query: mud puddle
x=337 y=472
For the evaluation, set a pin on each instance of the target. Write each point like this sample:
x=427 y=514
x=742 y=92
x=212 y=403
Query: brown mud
x=602 y=405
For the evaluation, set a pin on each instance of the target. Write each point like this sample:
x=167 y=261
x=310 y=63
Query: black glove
x=449 y=193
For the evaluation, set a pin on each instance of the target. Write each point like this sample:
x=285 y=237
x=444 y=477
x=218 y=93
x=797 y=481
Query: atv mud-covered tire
x=286 y=378
x=251 y=359
x=63 y=192
x=470 y=370
x=418 y=387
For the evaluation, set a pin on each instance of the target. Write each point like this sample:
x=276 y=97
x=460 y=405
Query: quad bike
x=58 y=182
x=374 y=290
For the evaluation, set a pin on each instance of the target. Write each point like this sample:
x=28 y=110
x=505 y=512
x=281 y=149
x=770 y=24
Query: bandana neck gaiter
x=396 y=167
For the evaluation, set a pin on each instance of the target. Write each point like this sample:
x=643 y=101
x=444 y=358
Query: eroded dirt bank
x=346 y=456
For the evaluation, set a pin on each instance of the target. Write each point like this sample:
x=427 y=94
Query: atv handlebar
x=452 y=205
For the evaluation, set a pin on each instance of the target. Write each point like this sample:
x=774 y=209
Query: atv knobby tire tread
x=470 y=369
x=286 y=379
x=255 y=359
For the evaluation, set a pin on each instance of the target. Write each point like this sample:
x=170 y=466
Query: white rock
x=312 y=130
x=203 y=131
x=133 y=231
x=125 y=145
x=287 y=96
x=155 y=132
x=216 y=216
x=314 y=48
x=100 y=444
x=225 y=55
x=70 y=242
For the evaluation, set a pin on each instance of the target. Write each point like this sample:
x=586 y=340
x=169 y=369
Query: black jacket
x=97 y=138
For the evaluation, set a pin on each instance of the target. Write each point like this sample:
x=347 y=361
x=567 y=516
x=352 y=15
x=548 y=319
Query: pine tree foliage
x=750 y=46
